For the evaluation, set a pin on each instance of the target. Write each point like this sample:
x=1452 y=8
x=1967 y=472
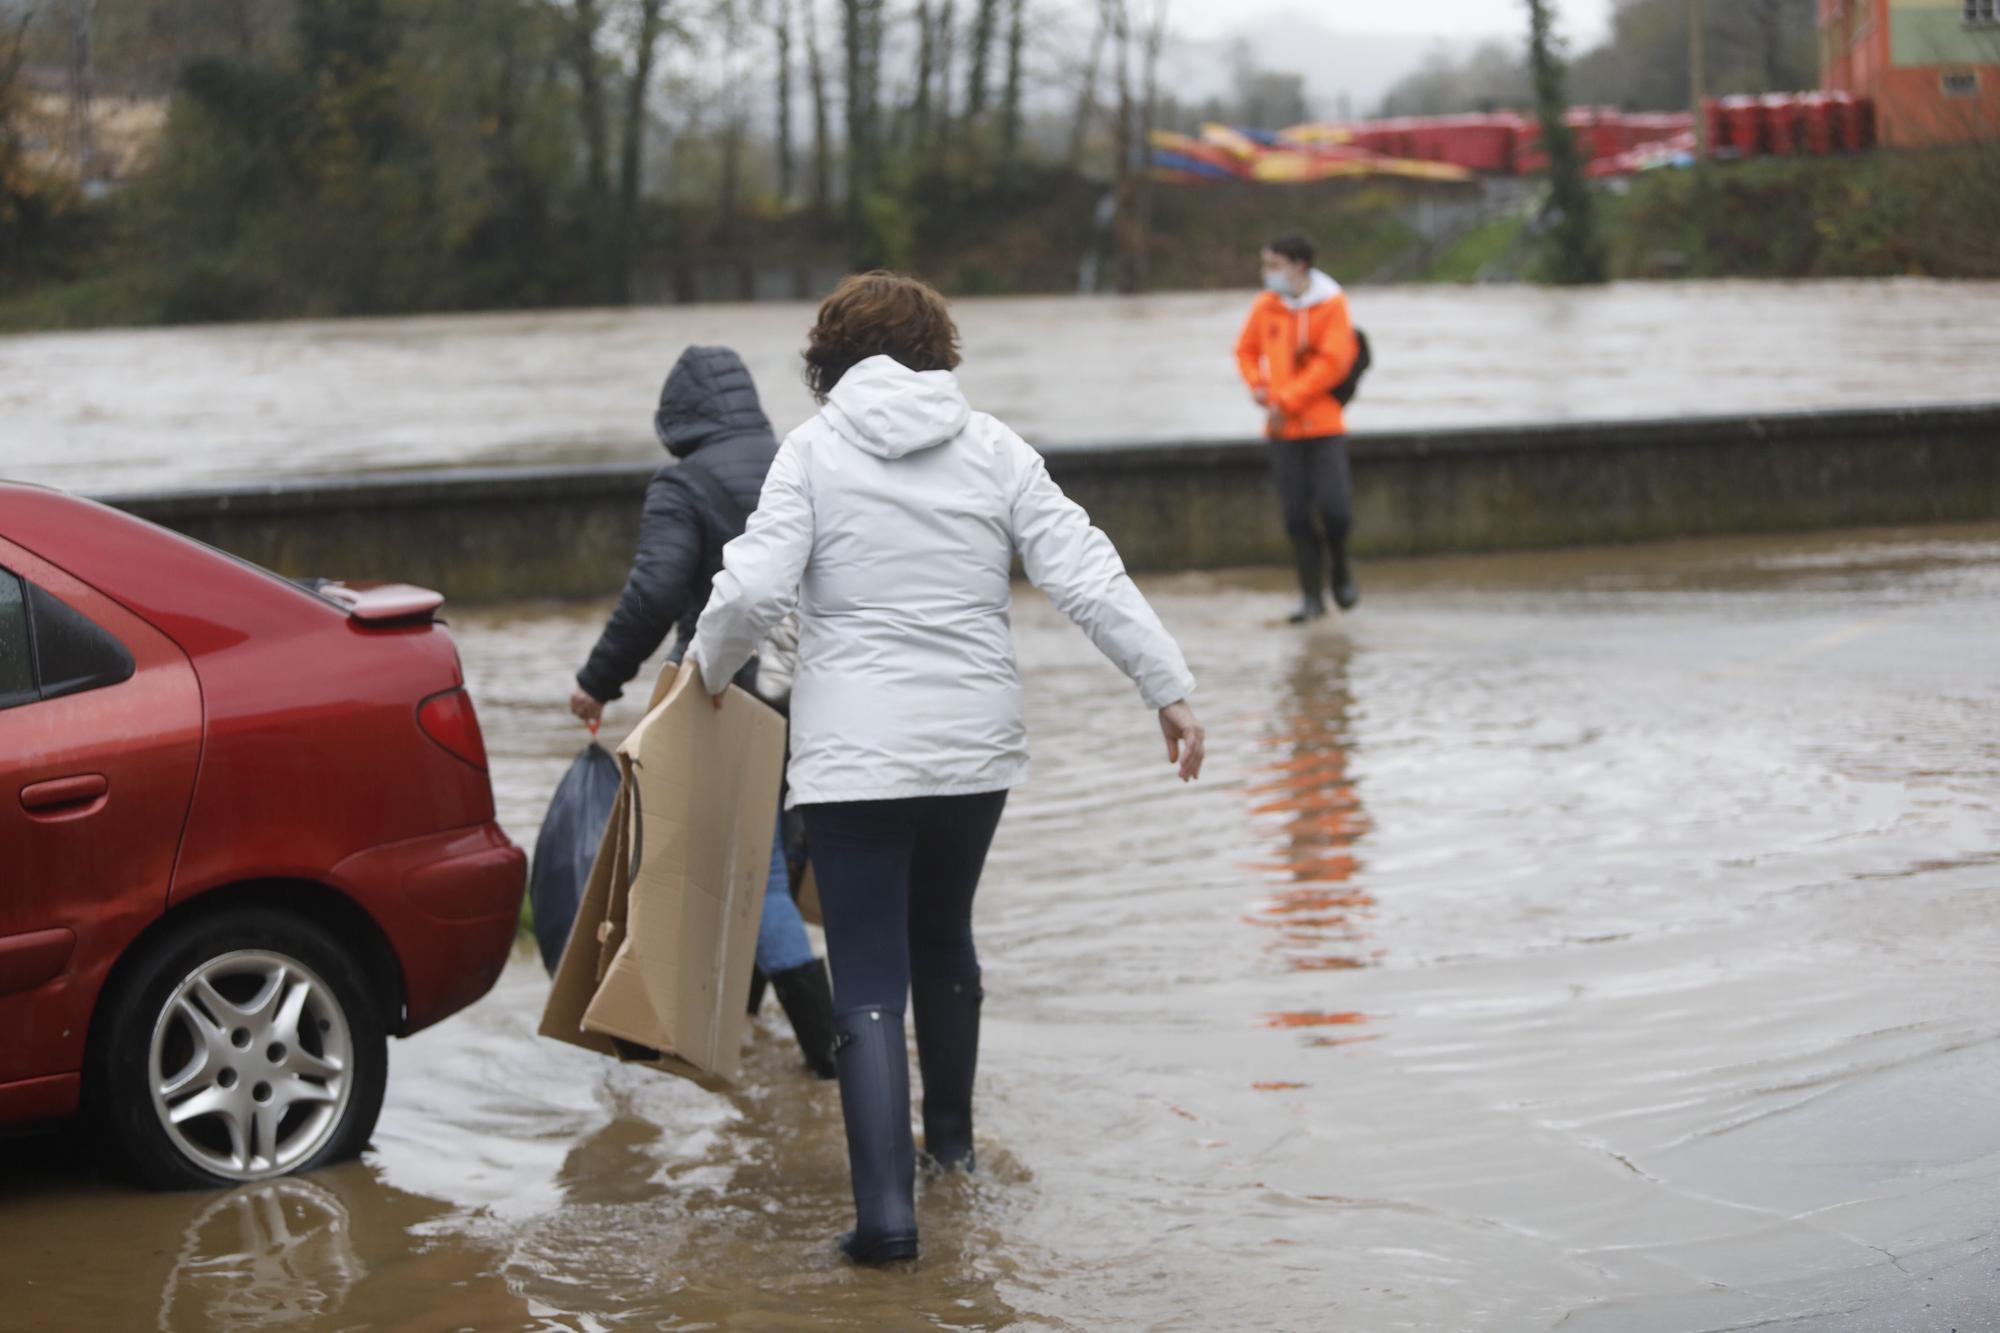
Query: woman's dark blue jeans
x=896 y=880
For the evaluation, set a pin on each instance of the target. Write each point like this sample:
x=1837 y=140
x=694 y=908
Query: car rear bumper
x=450 y=905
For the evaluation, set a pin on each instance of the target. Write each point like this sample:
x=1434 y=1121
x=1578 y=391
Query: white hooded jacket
x=890 y=521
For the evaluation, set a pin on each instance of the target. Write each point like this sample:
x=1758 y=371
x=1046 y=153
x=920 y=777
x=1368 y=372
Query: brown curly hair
x=879 y=314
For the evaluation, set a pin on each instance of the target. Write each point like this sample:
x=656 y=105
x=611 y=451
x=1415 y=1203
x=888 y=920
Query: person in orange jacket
x=1297 y=345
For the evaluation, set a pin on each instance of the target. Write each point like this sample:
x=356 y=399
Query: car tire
x=238 y=1046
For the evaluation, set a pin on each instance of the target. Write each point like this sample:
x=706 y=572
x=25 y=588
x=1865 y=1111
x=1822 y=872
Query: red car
x=246 y=833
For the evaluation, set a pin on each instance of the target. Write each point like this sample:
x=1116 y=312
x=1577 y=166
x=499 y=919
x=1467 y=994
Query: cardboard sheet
x=659 y=959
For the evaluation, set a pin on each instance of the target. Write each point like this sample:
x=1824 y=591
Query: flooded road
x=126 y=410
x=1603 y=940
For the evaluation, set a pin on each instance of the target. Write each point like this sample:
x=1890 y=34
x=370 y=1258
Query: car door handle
x=65 y=798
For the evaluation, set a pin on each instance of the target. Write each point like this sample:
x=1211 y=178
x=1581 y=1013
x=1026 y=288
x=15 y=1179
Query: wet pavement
x=1602 y=940
x=125 y=410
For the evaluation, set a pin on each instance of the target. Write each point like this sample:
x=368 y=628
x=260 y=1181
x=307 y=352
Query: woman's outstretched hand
x=1186 y=741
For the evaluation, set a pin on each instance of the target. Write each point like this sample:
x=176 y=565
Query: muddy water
x=123 y=410
x=1597 y=941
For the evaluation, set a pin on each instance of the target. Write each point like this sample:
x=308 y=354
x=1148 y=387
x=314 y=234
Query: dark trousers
x=896 y=880
x=1315 y=494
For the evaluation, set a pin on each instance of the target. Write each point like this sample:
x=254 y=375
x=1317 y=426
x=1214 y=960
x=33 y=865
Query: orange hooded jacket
x=1297 y=351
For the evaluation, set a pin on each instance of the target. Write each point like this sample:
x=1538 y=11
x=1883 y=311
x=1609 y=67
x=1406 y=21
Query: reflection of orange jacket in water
x=1297 y=351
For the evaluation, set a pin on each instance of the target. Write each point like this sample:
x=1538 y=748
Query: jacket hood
x=1320 y=288
x=890 y=410
x=708 y=393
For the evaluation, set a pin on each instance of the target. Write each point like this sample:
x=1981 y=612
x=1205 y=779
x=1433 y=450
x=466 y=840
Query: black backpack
x=1343 y=392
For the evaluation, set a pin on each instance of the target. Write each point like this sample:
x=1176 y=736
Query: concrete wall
x=496 y=534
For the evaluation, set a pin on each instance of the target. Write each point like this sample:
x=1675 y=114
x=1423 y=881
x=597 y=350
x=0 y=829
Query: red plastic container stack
x=1858 y=123
x=1477 y=143
x=1781 y=124
x=1745 y=116
x=1612 y=143
x=1817 y=113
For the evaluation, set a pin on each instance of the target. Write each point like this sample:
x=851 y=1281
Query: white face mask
x=1279 y=281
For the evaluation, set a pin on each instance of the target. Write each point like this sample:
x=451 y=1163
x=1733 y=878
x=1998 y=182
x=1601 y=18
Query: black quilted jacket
x=711 y=421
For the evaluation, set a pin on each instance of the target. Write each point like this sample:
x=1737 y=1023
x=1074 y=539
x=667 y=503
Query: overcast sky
x=1584 y=22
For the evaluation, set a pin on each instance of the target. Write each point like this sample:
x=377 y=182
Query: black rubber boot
x=1346 y=591
x=875 y=1103
x=1311 y=605
x=807 y=998
x=947 y=1020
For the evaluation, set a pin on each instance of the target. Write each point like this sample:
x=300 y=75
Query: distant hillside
x=1362 y=66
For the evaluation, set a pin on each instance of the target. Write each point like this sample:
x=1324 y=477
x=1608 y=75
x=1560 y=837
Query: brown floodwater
x=143 y=409
x=1603 y=940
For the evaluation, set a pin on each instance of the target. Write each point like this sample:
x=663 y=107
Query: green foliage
x=889 y=223
x=1474 y=256
x=401 y=155
x=1880 y=215
x=86 y=302
x=1026 y=231
x=1210 y=236
x=44 y=228
x=43 y=225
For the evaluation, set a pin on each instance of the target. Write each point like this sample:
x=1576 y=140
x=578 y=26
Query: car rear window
x=17 y=667
x=49 y=649
x=73 y=653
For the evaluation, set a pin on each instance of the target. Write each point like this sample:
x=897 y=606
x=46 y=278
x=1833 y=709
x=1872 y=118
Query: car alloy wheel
x=251 y=1064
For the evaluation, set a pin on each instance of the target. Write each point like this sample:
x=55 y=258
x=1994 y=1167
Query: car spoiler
x=380 y=603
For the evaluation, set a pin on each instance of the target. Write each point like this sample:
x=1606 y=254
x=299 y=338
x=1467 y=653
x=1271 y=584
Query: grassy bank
x=1481 y=254
x=1877 y=215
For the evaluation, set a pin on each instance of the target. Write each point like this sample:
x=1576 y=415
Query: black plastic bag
x=567 y=845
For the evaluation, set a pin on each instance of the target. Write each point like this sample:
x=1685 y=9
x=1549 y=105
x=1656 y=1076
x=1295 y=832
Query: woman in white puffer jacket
x=890 y=521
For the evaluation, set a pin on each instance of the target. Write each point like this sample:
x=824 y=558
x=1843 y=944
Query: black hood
x=708 y=393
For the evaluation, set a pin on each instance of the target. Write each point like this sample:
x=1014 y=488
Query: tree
x=82 y=87
x=1267 y=98
x=730 y=187
x=946 y=62
x=822 y=155
x=1754 y=46
x=1577 y=252
x=920 y=103
x=32 y=208
x=781 y=30
x=1125 y=239
x=1491 y=76
x=1086 y=92
x=586 y=24
x=1010 y=97
x=632 y=140
x=1155 y=42
x=984 y=18
x=861 y=33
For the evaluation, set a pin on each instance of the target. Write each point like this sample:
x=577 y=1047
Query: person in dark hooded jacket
x=710 y=420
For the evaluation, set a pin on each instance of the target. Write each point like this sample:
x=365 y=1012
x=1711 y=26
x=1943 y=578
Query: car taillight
x=448 y=719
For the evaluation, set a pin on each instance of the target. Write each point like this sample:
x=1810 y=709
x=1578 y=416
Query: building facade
x=1931 y=66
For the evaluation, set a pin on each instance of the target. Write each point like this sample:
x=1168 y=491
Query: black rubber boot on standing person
x=1346 y=590
x=1312 y=605
x=947 y=1021
x=881 y=1156
x=807 y=998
